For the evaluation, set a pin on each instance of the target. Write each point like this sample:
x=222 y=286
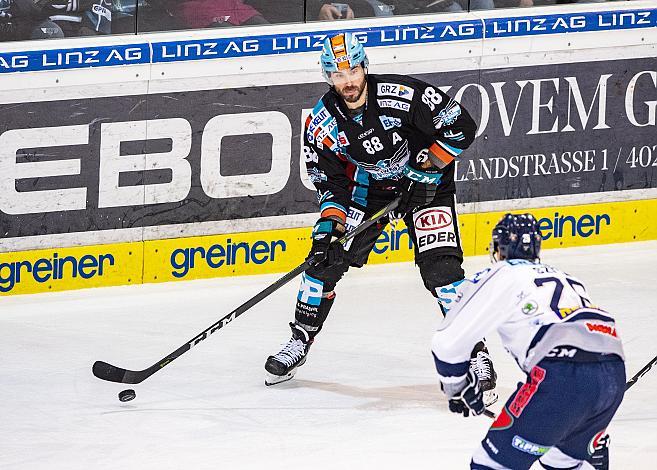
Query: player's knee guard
x=441 y=274
x=313 y=304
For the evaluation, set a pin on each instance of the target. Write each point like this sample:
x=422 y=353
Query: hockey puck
x=127 y=395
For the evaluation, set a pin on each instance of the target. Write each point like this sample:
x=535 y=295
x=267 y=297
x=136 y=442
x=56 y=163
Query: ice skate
x=282 y=366
x=482 y=365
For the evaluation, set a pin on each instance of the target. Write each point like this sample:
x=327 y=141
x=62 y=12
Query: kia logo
x=433 y=219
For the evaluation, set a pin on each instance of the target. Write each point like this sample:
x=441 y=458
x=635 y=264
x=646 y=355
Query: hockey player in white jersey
x=568 y=347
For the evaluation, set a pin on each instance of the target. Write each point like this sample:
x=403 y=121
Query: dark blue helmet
x=516 y=236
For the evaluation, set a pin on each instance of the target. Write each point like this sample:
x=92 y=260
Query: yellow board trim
x=52 y=270
x=282 y=250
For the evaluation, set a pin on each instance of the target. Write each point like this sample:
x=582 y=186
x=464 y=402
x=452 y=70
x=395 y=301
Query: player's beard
x=352 y=93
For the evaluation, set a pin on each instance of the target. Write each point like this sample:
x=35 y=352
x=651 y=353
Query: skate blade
x=490 y=398
x=271 y=379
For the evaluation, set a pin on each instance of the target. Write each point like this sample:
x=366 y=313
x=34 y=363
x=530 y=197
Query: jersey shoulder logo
x=448 y=115
x=318 y=116
x=395 y=89
x=322 y=128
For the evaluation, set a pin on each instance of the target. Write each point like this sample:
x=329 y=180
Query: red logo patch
x=601 y=328
x=433 y=219
x=527 y=391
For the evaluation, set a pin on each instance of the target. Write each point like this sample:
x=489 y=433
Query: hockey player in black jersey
x=369 y=139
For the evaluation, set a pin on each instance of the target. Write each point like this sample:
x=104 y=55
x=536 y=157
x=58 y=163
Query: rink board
x=275 y=251
x=132 y=138
x=177 y=155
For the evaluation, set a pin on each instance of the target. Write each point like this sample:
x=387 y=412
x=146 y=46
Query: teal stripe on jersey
x=359 y=193
x=453 y=150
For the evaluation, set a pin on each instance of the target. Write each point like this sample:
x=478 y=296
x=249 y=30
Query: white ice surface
x=366 y=399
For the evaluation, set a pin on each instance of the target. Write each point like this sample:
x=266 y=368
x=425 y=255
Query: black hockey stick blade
x=108 y=372
x=105 y=371
x=111 y=373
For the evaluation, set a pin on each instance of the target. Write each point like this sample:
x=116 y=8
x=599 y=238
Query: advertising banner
x=212 y=155
x=282 y=250
x=54 y=270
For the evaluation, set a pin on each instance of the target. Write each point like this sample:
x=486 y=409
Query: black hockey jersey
x=363 y=159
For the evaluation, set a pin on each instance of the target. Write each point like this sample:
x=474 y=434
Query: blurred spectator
x=407 y=7
x=168 y=15
x=79 y=17
x=326 y=10
x=213 y=13
x=279 y=11
x=143 y=16
x=22 y=19
x=522 y=3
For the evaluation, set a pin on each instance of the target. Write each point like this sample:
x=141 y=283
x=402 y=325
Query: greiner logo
x=55 y=268
x=184 y=259
x=433 y=219
x=563 y=225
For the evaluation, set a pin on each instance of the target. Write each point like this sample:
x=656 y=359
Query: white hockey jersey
x=534 y=308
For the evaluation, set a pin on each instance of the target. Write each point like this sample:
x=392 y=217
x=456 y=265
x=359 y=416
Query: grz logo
x=433 y=219
x=394 y=89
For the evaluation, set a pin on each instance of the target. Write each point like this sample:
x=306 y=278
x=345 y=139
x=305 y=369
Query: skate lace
x=291 y=352
x=483 y=366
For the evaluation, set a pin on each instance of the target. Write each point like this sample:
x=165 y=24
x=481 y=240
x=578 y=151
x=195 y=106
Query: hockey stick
x=641 y=373
x=111 y=373
x=629 y=383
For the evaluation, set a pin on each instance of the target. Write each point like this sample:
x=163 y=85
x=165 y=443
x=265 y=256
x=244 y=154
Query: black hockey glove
x=323 y=251
x=470 y=398
x=413 y=195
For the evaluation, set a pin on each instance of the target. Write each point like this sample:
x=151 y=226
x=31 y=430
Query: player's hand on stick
x=413 y=195
x=325 y=232
x=469 y=399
